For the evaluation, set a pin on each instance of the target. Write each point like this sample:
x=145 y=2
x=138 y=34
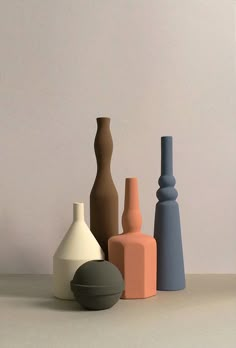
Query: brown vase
x=103 y=196
x=133 y=252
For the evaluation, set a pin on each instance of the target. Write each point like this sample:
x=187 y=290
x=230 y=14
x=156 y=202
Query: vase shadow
x=59 y=305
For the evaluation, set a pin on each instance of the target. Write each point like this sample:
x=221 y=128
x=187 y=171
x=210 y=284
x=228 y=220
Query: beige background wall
x=157 y=67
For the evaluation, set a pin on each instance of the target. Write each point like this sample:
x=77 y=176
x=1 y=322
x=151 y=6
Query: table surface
x=202 y=315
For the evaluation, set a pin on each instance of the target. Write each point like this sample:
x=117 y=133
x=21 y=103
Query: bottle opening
x=103 y=120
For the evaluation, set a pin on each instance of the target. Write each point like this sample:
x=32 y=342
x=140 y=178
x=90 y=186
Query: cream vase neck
x=78 y=211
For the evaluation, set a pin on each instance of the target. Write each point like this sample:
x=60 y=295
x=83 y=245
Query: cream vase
x=77 y=247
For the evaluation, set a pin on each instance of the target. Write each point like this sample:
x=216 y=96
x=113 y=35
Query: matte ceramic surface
x=97 y=285
x=132 y=252
x=103 y=197
x=78 y=246
x=167 y=231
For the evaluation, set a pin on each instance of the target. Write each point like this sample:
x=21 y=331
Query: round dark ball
x=97 y=284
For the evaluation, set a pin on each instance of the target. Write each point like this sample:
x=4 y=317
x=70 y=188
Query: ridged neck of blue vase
x=167 y=191
x=166 y=156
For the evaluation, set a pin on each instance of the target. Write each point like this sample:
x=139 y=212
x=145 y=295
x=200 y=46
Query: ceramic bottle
x=133 y=252
x=77 y=247
x=103 y=196
x=167 y=231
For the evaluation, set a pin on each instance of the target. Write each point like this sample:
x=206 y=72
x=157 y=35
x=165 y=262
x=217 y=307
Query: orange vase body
x=134 y=253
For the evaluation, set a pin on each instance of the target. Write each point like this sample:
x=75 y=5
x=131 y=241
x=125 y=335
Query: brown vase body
x=103 y=196
x=133 y=252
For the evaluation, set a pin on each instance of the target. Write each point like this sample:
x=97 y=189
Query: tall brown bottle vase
x=103 y=196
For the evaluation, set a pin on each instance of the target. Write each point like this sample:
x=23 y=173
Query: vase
x=133 y=252
x=167 y=231
x=77 y=247
x=103 y=196
x=97 y=285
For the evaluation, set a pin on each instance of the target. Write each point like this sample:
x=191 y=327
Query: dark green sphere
x=97 y=284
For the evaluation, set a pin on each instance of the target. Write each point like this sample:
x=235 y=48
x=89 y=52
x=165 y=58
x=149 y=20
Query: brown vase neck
x=103 y=144
x=103 y=121
x=131 y=218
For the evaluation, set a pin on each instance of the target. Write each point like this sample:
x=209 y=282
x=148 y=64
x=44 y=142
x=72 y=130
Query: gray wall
x=157 y=67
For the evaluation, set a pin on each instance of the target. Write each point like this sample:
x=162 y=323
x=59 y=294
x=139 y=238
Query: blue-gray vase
x=167 y=230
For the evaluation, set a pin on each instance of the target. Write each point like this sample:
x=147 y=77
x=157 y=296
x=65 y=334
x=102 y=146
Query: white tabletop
x=202 y=316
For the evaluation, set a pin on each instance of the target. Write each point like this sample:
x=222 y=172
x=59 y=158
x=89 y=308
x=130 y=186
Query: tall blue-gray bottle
x=167 y=230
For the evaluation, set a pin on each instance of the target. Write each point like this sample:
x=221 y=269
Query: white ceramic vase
x=77 y=247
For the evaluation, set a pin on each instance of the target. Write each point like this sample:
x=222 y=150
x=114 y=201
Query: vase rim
x=167 y=137
x=105 y=118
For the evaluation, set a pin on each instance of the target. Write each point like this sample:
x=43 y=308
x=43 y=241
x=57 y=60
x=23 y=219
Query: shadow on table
x=58 y=305
x=34 y=291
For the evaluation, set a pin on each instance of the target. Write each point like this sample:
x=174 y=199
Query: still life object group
x=97 y=266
